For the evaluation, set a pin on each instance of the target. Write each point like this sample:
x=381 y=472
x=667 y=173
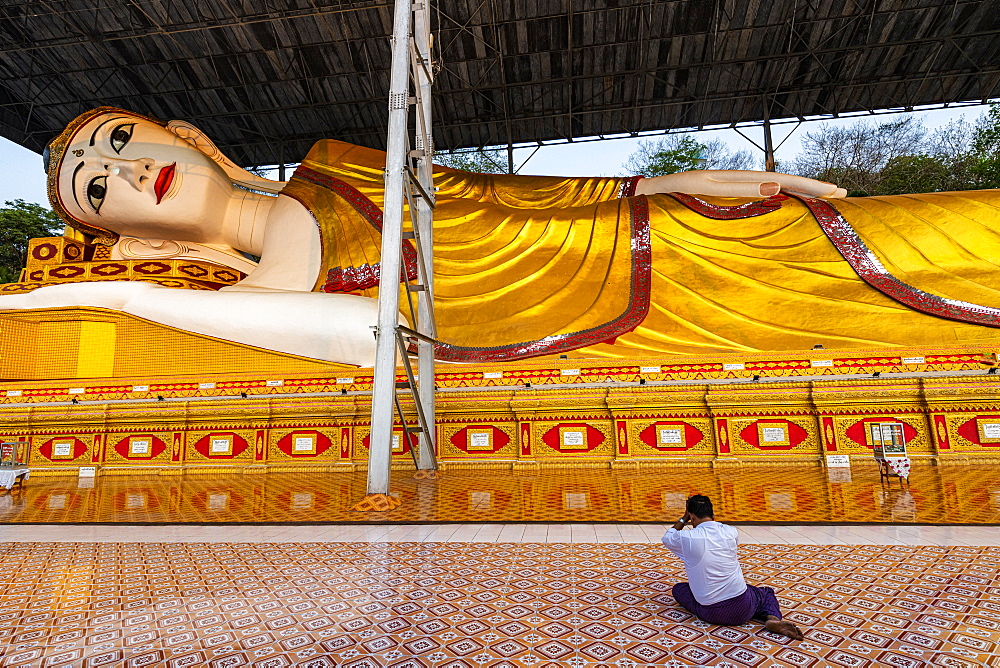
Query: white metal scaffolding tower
x=409 y=181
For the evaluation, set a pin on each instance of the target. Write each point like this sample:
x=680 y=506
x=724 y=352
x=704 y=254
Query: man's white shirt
x=709 y=555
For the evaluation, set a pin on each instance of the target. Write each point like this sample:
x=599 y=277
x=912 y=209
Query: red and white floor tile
x=484 y=595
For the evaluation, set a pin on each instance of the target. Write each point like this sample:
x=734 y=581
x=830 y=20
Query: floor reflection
x=948 y=495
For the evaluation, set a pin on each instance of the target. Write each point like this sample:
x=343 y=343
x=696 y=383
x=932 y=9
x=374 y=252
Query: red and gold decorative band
x=350 y=279
x=867 y=265
x=635 y=312
x=627 y=187
x=720 y=212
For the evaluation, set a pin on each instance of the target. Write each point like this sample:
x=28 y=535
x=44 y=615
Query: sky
x=607 y=157
x=24 y=178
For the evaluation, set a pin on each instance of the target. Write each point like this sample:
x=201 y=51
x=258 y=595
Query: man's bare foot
x=780 y=626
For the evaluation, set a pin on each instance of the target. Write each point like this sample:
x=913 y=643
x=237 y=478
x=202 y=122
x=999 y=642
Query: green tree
x=914 y=174
x=951 y=146
x=20 y=222
x=683 y=153
x=672 y=154
x=984 y=156
x=901 y=156
x=480 y=160
x=854 y=156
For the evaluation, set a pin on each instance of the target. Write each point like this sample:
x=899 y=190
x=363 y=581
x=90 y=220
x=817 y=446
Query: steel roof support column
x=408 y=178
x=768 y=147
x=423 y=79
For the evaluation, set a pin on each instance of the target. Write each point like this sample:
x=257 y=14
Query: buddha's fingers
x=739 y=188
x=839 y=193
x=801 y=185
x=791 y=183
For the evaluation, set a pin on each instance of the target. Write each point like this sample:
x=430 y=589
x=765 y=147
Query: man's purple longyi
x=754 y=603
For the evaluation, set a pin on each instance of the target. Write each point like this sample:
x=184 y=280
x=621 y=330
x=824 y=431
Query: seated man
x=715 y=591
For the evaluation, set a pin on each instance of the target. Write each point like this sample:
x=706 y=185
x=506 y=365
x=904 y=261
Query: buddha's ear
x=238 y=175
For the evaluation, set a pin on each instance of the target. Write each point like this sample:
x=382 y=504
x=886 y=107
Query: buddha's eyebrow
x=94 y=136
x=73 y=184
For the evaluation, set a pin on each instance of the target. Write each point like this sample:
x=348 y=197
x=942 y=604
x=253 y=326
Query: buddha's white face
x=138 y=178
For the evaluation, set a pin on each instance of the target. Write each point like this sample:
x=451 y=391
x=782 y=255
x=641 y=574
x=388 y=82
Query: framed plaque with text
x=303 y=444
x=220 y=445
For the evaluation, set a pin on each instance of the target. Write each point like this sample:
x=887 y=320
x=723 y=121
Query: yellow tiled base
x=72 y=343
x=458 y=605
x=257 y=420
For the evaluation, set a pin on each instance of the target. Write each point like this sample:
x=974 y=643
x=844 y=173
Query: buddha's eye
x=96 y=190
x=120 y=136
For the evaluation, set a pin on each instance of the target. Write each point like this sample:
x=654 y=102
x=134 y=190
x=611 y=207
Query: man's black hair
x=700 y=506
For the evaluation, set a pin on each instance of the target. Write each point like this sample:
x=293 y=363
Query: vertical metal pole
x=425 y=231
x=768 y=146
x=384 y=387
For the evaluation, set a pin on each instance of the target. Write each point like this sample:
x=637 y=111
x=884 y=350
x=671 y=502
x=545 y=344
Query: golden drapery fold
x=534 y=265
x=518 y=271
x=777 y=281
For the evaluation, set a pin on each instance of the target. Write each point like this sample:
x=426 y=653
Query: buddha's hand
x=737 y=183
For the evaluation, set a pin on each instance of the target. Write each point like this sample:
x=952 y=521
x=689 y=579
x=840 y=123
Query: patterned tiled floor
x=950 y=495
x=479 y=604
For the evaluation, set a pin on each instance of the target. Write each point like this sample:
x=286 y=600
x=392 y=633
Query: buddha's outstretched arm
x=333 y=327
x=527 y=192
x=737 y=183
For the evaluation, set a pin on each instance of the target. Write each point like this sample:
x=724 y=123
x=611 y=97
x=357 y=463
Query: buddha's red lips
x=163 y=181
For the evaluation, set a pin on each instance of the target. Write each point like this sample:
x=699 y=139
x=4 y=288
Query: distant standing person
x=715 y=591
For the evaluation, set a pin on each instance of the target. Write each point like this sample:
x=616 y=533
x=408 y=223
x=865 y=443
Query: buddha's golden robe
x=535 y=265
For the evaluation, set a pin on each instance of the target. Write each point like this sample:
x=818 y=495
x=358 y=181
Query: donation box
x=887 y=440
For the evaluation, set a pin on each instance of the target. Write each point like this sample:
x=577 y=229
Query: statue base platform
x=637 y=415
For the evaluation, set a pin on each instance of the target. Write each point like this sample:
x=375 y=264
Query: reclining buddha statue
x=700 y=262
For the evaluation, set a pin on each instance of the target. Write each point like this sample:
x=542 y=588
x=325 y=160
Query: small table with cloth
x=10 y=476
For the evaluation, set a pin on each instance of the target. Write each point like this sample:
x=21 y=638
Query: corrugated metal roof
x=266 y=78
